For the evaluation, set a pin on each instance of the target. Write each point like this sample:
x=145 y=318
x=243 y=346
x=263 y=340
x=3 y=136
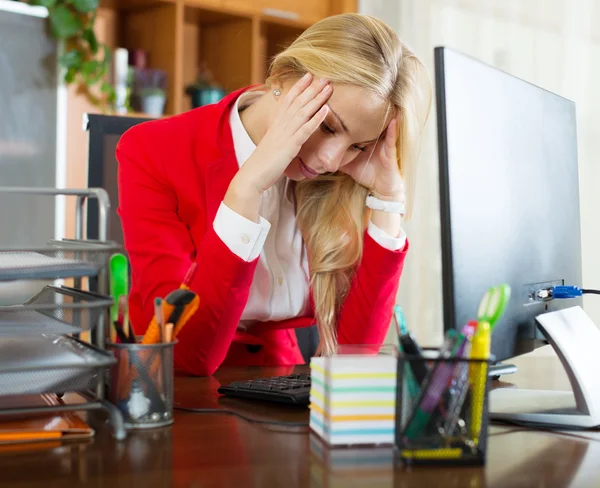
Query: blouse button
x=245 y=238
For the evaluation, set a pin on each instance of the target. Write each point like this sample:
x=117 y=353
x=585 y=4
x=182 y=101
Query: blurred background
x=168 y=56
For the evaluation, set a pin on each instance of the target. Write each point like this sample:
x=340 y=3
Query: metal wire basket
x=55 y=309
x=57 y=259
x=49 y=363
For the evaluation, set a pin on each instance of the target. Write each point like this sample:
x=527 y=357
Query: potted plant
x=85 y=61
x=152 y=101
x=150 y=91
x=204 y=90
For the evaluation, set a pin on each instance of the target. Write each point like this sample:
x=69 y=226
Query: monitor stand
x=576 y=340
x=500 y=369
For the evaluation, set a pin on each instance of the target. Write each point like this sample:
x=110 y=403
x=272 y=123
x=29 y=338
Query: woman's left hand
x=377 y=169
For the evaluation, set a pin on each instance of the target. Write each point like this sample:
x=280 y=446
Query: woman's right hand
x=300 y=113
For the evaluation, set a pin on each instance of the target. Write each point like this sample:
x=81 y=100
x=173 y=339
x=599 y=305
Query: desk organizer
x=352 y=398
x=54 y=310
x=141 y=383
x=49 y=363
x=444 y=418
x=39 y=348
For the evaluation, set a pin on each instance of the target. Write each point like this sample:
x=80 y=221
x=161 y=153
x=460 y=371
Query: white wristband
x=384 y=205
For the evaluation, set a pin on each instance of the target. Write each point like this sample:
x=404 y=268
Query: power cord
x=239 y=415
x=544 y=427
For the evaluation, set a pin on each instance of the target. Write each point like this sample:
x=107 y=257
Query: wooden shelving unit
x=234 y=38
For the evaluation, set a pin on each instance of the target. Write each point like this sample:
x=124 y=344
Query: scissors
x=493 y=304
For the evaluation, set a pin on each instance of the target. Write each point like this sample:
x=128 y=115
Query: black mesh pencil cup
x=442 y=410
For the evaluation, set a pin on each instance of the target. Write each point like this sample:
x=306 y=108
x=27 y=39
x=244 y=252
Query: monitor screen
x=509 y=196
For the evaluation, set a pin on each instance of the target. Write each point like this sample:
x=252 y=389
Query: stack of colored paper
x=353 y=398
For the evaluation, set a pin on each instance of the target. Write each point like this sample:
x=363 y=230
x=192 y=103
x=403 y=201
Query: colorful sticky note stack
x=353 y=399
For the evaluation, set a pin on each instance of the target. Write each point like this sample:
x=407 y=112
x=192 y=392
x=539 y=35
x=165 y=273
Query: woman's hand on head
x=300 y=113
x=377 y=169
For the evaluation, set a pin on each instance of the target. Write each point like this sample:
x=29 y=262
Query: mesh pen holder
x=442 y=410
x=141 y=384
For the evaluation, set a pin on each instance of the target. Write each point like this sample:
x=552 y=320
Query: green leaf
x=106 y=87
x=90 y=38
x=71 y=59
x=85 y=6
x=43 y=3
x=70 y=75
x=64 y=23
x=107 y=53
x=89 y=67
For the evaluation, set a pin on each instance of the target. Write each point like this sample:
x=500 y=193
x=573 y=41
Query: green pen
x=410 y=381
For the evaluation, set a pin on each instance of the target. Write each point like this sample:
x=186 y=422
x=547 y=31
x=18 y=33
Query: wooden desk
x=201 y=451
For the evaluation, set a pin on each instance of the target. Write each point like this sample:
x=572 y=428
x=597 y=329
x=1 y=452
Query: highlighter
x=480 y=349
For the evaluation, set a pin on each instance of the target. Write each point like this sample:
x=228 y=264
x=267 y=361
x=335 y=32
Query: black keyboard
x=293 y=389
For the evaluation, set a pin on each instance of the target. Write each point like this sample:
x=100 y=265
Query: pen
x=460 y=384
x=410 y=380
x=438 y=379
x=409 y=346
x=480 y=349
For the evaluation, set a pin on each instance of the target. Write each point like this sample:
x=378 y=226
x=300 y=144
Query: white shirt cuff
x=385 y=240
x=243 y=237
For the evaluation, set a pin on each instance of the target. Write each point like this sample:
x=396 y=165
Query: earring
x=276 y=92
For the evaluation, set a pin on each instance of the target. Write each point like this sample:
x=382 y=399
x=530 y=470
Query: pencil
x=168 y=332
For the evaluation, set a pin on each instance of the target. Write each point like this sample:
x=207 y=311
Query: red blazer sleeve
x=367 y=311
x=161 y=251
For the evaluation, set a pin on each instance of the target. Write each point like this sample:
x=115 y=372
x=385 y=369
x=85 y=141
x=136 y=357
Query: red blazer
x=173 y=175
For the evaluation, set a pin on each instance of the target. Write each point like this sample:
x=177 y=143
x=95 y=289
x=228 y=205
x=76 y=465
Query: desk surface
x=201 y=451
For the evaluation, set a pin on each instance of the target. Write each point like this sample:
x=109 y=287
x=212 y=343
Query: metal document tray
x=55 y=310
x=49 y=363
x=57 y=259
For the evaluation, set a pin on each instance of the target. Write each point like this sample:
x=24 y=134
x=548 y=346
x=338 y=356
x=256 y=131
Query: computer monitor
x=509 y=196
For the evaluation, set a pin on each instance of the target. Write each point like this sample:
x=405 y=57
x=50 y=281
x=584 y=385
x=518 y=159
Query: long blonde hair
x=361 y=51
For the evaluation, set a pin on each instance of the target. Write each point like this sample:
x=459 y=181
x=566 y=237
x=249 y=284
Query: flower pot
x=153 y=105
x=205 y=96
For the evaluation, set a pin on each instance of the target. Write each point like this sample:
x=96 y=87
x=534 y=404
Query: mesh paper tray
x=56 y=310
x=49 y=363
x=57 y=259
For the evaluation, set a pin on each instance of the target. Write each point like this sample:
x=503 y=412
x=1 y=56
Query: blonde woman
x=288 y=196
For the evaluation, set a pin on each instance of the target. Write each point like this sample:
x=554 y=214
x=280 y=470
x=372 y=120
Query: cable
x=564 y=292
x=241 y=416
x=544 y=427
x=591 y=292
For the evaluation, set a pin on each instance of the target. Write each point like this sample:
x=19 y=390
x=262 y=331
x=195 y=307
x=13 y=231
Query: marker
x=480 y=349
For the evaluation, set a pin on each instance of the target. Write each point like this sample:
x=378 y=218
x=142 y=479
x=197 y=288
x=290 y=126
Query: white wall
x=551 y=43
